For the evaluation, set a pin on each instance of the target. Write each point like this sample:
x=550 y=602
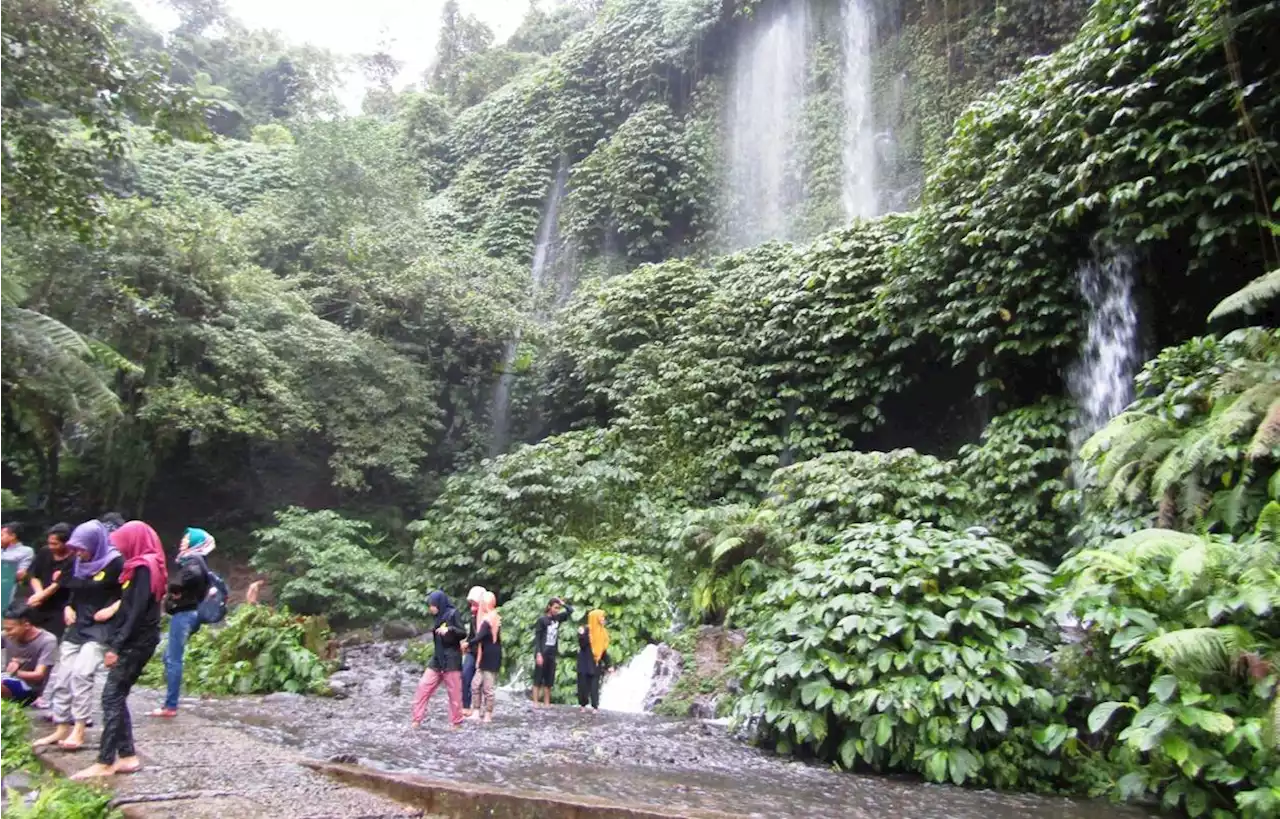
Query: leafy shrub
x=1201 y=442
x=324 y=563
x=908 y=648
x=503 y=522
x=725 y=556
x=1018 y=472
x=632 y=591
x=260 y=650
x=818 y=498
x=1181 y=630
x=56 y=798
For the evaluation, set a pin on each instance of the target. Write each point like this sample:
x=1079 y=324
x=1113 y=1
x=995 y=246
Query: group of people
x=92 y=599
x=467 y=656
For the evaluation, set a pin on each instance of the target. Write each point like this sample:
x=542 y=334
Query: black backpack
x=213 y=609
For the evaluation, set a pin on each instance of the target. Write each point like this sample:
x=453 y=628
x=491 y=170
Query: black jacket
x=188 y=586
x=448 y=646
x=488 y=650
x=587 y=665
x=137 y=624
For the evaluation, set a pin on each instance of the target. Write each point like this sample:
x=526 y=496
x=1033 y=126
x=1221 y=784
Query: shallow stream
x=628 y=758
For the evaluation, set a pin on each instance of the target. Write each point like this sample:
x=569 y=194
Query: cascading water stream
x=500 y=407
x=858 y=188
x=767 y=94
x=1101 y=382
x=628 y=688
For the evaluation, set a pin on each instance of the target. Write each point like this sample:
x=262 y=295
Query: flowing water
x=1101 y=382
x=632 y=759
x=767 y=94
x=500 y=407
x=626 y=690
x=859 y=183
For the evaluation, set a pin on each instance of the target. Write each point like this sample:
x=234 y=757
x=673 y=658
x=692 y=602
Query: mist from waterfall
x=858 y=189
x=1101 y=382
x=500 y=407
x=766 y=102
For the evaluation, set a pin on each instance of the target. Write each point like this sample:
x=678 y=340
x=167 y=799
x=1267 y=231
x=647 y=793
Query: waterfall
x=500 y=408
x=859 y=182
x=627 y=689
x=1101 y=382
x=767 y=93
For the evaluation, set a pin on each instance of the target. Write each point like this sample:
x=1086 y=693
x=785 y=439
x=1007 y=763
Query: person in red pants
x=446 y=661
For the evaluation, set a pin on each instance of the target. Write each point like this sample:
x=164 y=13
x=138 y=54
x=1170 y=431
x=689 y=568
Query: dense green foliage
x=858 y=447
x=259 y=650
x=52 y=797
x=906 y=647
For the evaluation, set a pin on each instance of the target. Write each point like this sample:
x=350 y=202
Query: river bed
x=627 y=758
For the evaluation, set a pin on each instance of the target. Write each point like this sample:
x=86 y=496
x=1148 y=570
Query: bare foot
x=76 y=740
x=466 y=712
x=60 y=732
x=487 y=718
x=95 y=771
x=128 y=765
x=415 y=725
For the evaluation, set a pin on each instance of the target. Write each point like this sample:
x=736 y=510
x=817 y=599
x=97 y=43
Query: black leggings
x=589 y=690
x=117 y=725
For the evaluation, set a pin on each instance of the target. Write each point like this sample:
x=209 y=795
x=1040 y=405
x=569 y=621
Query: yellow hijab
x=598 y=633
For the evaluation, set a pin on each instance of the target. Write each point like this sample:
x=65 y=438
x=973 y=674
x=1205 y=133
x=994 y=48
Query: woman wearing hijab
x=187 y=590
x=446 y=662
x=593 y=659
x=487 y=647
x=475 y=598
x=94 y=586
x=133 y=640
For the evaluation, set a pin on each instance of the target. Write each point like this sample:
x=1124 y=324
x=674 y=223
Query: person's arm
x=136 y=599
x=456 y=628
x=103 y=615
x=24 y=563
x=564 y=613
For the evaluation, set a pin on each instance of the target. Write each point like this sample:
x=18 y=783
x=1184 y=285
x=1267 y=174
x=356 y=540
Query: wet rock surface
x=629 y=759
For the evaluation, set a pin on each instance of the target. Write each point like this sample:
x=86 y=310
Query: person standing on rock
x=446 y=661
x=187 y=590
x=593 y=659
x=474 y=598
x=133 y=641
x=487 y=646
x=95 y=597
x=546 y=647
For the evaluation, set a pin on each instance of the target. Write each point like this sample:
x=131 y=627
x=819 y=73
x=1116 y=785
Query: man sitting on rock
x=30 y=654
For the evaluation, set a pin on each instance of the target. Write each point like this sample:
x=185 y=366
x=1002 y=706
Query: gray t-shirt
x=19 y=554
x=42 y=651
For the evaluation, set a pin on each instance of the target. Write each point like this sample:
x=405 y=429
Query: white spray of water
x=859 y=184
x=627 y=689
x=500 y=407
x=1102 y=379
x=767 y=99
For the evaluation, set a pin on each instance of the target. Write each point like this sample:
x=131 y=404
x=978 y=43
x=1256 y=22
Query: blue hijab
x=440 y=600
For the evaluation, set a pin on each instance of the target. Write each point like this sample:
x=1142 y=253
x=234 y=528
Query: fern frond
x=1147 y=544
x=1266 y=438
x=1251 y=298
x=1200 y=650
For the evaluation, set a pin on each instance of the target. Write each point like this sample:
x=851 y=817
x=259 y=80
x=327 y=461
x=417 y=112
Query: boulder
x=399 y=630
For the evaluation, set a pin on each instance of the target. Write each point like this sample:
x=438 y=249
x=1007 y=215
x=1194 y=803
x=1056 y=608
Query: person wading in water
x=446 y=661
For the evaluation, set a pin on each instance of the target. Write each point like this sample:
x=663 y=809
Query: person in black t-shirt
x=546 y=647
x=49 y=574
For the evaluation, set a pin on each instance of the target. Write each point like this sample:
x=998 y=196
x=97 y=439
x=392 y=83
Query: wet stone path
x=627 y=759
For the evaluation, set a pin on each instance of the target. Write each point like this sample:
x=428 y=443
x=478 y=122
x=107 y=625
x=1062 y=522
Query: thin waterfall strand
x=767 y=99
x=859 y=183
x=1102 y=379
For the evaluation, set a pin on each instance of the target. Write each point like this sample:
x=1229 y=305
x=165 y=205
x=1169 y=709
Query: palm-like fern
x=731 y=551
x=1220 y=419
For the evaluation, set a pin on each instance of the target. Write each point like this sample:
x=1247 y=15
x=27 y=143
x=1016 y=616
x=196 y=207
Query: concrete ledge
x=455 y=801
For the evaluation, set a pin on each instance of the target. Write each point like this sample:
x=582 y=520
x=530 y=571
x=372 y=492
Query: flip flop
x=128 y=770
x=166 y=713
x=67 y=746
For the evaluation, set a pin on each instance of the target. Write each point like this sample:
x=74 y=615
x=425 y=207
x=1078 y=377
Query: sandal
x=167 y=713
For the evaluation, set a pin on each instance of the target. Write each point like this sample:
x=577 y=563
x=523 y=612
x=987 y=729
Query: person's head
x=57 y=536
x=437 y=602
x=195 y=541
x=90 y=541
x=10 y=534
x=17 y=623
x=475 y=597
x=112 y=520
x=597 y=617
x=554 y=605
